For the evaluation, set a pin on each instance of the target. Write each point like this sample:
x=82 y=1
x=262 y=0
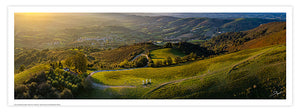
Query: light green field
x=162 y=54
x=27 y=74
x=191 y=77
x=257 y=77
x=196 y=41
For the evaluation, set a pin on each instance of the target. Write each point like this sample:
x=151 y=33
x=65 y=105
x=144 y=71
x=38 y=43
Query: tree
x=158 y=63
x=55 y=83
x=168 y=45
x=33 y=88
x=141 y=61
x=19 y=90
x=193 y=56
x=22 y=68
x=164 y=63
x=74 y=88
x=80 y=62
x=44 y=89
x=41 y=77
x=66 y=93
x=150 y=64
x=124 y=63
x=69 y=61
x=169 y=60
x=53 y=93
x=60 y=65
x=177 y=60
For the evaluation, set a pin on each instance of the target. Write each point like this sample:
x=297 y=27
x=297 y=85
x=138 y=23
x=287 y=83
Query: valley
x=136 y=56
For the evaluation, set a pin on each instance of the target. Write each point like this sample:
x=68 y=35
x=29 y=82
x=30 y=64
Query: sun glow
x=34 y=14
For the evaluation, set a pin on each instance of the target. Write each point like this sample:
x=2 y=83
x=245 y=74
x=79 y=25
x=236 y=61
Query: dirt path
x=102 y=86
x=141 y=55
x=250 y=58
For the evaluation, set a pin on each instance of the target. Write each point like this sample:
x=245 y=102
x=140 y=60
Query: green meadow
x=196 y=78
x=162 y=54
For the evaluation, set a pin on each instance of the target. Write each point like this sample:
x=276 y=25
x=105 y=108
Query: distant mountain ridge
x=280 y=16
x=118 y=29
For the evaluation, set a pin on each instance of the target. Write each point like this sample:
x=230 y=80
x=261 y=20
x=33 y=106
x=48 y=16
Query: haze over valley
x=150 y=55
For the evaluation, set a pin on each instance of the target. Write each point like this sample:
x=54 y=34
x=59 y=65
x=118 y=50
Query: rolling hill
x=162 y=54
x=264 y=35
x=255 y=77
x=251 y=73
x=255 y=69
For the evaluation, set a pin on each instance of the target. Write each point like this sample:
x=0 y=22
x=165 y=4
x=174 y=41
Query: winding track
x=102 y=86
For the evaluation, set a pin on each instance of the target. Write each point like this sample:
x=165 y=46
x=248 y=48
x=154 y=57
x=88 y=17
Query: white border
x=151 y=9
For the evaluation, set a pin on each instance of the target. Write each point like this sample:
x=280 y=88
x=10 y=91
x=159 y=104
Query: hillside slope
x=264 y=35
x=242 y=24
x=232 y=75
x=258 y=76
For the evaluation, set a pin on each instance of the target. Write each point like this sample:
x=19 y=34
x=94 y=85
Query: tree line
x=172 y=61
x=51 y=84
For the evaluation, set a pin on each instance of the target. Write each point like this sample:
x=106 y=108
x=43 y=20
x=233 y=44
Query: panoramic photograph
x=150 y=55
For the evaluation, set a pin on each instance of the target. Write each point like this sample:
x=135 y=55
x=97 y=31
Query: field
x=215 y=73
x=162 y=54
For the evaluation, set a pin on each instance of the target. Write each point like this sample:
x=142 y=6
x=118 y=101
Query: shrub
x=66 y=93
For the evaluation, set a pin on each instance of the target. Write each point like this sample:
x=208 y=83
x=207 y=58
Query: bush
x=22 y=68
x=19 y=90
x=66 y=93
x=141 y=61
x=124 y=63
x=177 y=60
x=44 y=88
x=169 y=60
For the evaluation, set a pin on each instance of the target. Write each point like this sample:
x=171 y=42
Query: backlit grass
x=162 y=54
x=163 y=74
x=27 y=74
x=257 y=77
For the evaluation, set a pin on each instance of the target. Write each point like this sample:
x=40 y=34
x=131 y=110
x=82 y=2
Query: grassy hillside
x=242 y=24
x=264 y=35
x=257 y=77
x=27 y=74
x=176 y=72
x=270 y=39
x=32 y=57
x=199 y=79
x=162 y=54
